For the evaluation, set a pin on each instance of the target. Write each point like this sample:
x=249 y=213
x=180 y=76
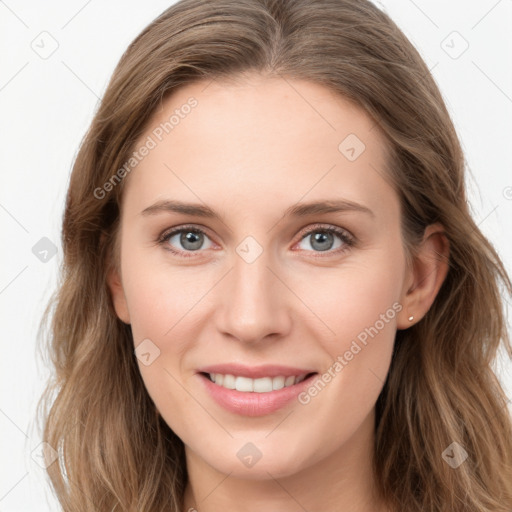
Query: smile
x=254 y=391
x=261 y=385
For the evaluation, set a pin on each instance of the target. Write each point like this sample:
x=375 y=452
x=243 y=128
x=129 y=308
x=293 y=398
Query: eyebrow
x=297 y=210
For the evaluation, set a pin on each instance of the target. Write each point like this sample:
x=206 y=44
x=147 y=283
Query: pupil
x=191 y=238
x=322 y=238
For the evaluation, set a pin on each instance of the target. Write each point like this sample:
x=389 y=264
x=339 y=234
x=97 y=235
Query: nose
x=254 y=303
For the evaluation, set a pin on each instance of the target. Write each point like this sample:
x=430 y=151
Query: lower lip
x=252 y=403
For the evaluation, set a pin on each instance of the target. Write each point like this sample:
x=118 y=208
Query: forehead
x=256 y=138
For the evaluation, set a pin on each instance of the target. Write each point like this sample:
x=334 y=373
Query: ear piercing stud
x=411 y=318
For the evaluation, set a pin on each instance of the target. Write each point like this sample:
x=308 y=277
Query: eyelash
x=348 y=240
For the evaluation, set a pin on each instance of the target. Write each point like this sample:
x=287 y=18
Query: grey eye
x=322 y=240
x=189 y=240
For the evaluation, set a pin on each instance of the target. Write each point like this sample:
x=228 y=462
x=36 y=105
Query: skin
x=250 y=149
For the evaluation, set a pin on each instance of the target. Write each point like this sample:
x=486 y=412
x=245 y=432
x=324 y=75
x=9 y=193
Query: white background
x=47 y=104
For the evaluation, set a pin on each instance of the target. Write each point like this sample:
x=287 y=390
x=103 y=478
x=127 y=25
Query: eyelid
x=183 y=227
x=319 y=226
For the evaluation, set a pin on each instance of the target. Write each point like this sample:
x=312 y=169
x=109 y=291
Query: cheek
x=359 y=304
x=161 y=304
x=355 y=298
x=158 y=295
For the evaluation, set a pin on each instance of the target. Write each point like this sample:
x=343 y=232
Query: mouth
x=259 y=395
x=265 y=384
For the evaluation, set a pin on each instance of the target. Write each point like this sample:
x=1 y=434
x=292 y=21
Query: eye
x=187 y=238
x=323 y=239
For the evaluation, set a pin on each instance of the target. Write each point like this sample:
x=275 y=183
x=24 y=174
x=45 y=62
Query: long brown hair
x=115 y=451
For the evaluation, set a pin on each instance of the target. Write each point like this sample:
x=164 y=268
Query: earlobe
x=430 y=268
x=118 y=297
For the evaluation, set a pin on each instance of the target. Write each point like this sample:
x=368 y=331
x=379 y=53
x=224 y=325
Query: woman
x=274 y=295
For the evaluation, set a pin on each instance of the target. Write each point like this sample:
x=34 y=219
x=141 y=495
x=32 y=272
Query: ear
x=423 y=281
x=115 y=286
x=118 y=297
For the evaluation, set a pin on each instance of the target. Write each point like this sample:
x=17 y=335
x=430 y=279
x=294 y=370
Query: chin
x=278 y=463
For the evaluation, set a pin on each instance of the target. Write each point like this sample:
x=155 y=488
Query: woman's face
x=266 y=290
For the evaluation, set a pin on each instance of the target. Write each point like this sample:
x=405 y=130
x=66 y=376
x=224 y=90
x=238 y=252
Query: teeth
x=244 y=384
x=229 y=381
x=289 y=381
x=262 y=385
x=277 y=383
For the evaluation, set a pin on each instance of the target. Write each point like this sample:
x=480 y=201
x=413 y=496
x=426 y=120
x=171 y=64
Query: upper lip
x=255 y=372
